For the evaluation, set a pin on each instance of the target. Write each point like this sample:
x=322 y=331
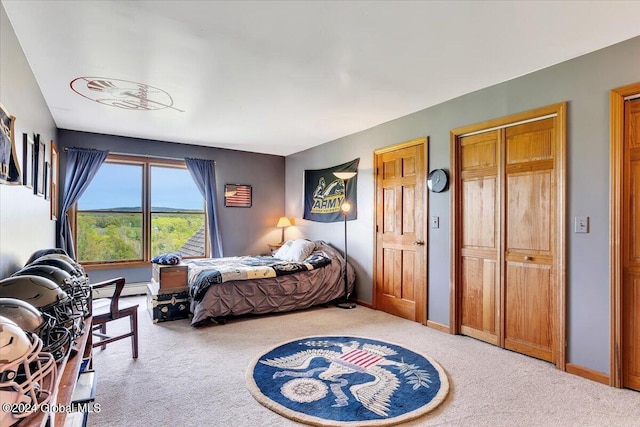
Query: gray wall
x=244 y=230
x=24 y=217
x=584 y=83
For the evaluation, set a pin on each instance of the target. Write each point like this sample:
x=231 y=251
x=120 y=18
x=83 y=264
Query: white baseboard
x=130 y=289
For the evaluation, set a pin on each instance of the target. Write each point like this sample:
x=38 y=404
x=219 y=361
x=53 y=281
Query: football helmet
x=55 y=339
x=74 y=286
x=66 y=258
x=57 y=254
x=57 y=261
x=46 y=296
x=27 y=375
x=37 y=254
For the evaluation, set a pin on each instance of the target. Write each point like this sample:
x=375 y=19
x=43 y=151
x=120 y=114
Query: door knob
x=418 y=243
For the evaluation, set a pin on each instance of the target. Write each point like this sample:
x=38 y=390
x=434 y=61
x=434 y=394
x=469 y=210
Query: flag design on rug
x=358 y=371
x=360 y=358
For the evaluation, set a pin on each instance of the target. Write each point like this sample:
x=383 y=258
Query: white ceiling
x=279 y=77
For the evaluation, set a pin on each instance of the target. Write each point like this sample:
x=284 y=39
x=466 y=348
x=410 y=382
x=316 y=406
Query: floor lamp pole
x=346 y=206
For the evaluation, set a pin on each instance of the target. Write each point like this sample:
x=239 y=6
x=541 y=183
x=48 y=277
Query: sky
x=118 y=186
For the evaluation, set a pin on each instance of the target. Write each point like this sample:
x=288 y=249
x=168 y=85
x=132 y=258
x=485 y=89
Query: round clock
x=437 y=180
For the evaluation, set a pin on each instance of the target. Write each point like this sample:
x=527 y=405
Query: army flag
x=324 y=193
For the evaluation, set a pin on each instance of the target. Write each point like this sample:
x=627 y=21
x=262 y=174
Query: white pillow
x=283 y=250
x=295 y=250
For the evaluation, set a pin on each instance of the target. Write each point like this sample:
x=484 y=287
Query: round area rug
x=346 y=381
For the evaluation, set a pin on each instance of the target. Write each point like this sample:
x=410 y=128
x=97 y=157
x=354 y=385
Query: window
x=177 y=213
x=135 y=209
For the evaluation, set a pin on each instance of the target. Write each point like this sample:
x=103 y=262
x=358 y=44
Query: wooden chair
x=105 y=310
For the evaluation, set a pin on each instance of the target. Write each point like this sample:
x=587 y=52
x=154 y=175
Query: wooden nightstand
x=273 y=247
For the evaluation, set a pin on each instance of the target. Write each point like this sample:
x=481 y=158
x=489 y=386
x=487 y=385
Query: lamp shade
x=283 y=222
x=345 y=175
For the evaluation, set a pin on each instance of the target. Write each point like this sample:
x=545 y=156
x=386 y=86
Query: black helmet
x=64 y=257
x=41 y=252
x=57 y=262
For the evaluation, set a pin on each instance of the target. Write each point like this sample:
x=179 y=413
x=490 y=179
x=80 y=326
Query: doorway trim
x=559 y=111
x=616 y=111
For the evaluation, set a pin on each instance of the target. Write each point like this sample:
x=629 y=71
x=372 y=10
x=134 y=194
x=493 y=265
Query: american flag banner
x=237 y=196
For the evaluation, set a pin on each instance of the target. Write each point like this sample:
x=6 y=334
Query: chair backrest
x=119 y=286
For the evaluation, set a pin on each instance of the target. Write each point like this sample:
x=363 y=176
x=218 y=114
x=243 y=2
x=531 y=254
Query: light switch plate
x=435 y=222
x=582 y=224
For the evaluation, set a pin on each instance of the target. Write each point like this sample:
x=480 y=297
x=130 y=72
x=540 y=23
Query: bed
x=221 y=287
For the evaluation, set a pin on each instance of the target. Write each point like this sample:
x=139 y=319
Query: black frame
x=47 y=181
x=39 y=151
x=27 y=161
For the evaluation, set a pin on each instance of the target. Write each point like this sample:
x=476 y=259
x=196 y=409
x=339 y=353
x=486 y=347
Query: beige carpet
x=196 y=377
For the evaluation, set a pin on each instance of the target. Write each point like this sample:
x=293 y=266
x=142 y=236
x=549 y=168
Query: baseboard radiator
x=130 y=289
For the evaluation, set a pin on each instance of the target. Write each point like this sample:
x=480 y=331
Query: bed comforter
x=218 y=291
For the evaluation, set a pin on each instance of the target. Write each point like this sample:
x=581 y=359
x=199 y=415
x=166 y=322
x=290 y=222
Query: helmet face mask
x=56 y=339
x=27 y=375
x=81 y=289
x=46 y=296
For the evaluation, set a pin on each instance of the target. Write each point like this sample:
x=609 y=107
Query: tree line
x=109 y=236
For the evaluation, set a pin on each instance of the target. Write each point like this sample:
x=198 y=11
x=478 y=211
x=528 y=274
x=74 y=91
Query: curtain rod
x=146 y=156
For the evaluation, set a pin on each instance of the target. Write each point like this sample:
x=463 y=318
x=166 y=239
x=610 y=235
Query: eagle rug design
x=339 y=380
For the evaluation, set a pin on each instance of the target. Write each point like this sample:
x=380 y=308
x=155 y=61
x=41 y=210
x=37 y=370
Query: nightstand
x=273 y=247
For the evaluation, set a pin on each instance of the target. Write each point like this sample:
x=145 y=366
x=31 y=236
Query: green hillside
x=108 y=236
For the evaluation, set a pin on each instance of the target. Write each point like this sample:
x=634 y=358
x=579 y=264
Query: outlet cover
x=582 y=224
x=435 y=222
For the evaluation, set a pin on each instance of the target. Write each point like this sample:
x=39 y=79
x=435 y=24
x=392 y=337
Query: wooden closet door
x=631 y=249
x=530 y=218
x=480 y=237
x=400 y=282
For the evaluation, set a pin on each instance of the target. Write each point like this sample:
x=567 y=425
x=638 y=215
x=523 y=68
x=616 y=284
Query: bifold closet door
x=631 y=248
x=480 y=237
x=507 y=222
x=530 y=218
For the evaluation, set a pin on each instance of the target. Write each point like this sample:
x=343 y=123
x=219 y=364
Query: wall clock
x=437 y=180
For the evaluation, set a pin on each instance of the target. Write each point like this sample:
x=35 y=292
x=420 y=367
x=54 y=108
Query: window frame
x=147 y=163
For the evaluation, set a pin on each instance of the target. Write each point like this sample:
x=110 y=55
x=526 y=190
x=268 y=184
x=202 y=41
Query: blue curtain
x=203 y=173
x=82 y=166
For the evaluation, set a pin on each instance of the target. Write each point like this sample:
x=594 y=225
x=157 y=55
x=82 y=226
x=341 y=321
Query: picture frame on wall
x=47 y=181
x=27 y=161
x=53 y=180
x=237 y=196
x=9 y=165
x=39 y=150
